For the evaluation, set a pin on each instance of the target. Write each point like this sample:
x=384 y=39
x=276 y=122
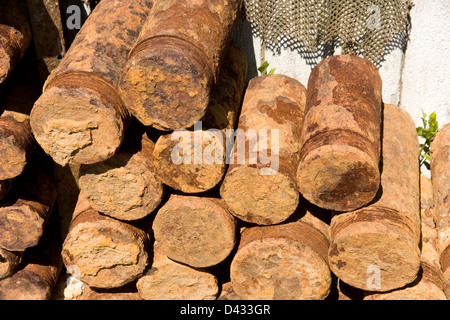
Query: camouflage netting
x=369 y=28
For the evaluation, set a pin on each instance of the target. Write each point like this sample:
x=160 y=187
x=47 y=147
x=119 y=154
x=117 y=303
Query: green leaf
x=433 y=124
x=272 y=71
x=420 y=131
x=263 y=67
x=424 y=117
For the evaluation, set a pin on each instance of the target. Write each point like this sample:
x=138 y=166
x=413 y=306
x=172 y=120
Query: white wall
x=426 y=74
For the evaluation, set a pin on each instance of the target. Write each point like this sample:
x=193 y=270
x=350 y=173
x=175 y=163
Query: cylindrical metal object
x=197 y=231
x=340 y=153
x=175 y=63
x=17 y=142
x=16 y=145
x=39 y=270
x=376 y=248
x=170 y=280
x=282 y=262
x=429 y=285
x=440 y=177
x=80 y=117
x=194 y=175
x=47 y=26
x=27 y=206
x=125 y=186
x=260 y=185
x=15 y=35
x=105 y=252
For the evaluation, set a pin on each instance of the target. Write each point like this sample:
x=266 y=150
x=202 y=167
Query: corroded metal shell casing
x=104 y=252
x=28 y=205
x=196 y=231
x=37 y=275
x=440 y=173
x=376 y=248
x=17 y=142
x=125 y=186
x=170 y=280
x=285 y=261
x=226 y=98
x=80 y=117
x=259 y=186
x=339 y=166
x=175 y=63
x=15 y=35
x=430 y=283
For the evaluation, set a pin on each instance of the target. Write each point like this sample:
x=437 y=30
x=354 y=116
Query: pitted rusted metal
x=92 y=130
x=339 y=166
x=175 y=62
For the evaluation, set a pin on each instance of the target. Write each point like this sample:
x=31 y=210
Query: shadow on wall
x=245 y=32
x=244 y=37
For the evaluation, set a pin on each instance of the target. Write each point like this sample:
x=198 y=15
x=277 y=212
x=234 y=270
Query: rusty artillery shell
x=17 y=142
x=260 y=185
x=174 y=65
x=106 y=253
x=16 y=145
x=205 y=174
x=340 y=152
x=125 y=186
x=15 y=35
x=427 y=211
x=39 y=270
x=48 y=35
x=376 y=248
x=80 y=117
x=429 y=285
x=282 y=262
x=28 y=205
x=170 y=280
x=440 y=168
x=197 y=231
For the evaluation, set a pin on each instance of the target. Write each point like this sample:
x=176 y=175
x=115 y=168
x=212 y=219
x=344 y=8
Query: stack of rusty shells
x=152 y=169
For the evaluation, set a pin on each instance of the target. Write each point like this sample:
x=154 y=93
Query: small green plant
x=427 y=132
x=263 y=69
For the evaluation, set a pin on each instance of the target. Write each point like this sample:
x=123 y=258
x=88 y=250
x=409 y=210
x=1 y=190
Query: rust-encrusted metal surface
x=339 y=167
x=80 y=117
x=265 y=192
x=286 y=261
x=108 y=253
x=385 y=234
x=175 y=63
x=15 y=35
x=226 y=98
x=440 y=172
x=125 y=186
